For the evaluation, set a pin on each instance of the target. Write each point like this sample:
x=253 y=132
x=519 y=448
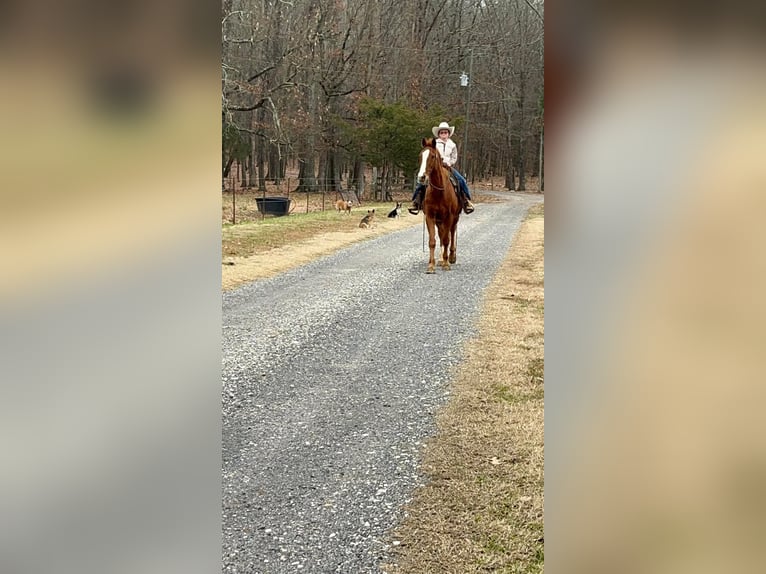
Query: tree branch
x=528 y=3
x=259 y=74
x=329 y=94
x=256 y=106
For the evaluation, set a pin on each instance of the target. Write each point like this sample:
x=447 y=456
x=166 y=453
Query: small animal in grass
x=367 y=219
x=343 y=206
x=396 y=211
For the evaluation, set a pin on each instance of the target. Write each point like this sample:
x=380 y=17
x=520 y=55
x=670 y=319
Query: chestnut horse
x=441 y=207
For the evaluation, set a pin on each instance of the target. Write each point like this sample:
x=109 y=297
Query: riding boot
x=465 y=203
x=414 y=207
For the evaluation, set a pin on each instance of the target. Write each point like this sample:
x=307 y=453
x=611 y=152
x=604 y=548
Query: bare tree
x=292 y=72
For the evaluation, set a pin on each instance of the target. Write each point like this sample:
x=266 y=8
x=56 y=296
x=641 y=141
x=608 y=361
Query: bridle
x=429 y=182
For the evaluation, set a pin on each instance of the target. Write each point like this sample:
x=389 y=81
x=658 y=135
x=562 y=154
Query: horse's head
x=429 y=153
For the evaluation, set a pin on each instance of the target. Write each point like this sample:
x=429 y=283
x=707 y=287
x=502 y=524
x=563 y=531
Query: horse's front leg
x=431 y=245
x=453 y=245
x=444 y=236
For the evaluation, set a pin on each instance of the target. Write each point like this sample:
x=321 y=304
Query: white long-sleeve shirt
x=448 y=149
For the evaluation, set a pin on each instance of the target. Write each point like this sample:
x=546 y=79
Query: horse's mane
x=431 y=143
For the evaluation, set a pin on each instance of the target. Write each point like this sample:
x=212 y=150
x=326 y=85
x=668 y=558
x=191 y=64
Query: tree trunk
x=384 y=182
x=262 y=166
x=227 y=167
x=409 y=181
x=307 y=181
x=281 y=163
x=251 y=161
x=276 y=164
x=357 y=178
x=307 y=178
x=337 y=171
x=510 y=181
x=322 y=172
x=521 y=151
x=521 y=169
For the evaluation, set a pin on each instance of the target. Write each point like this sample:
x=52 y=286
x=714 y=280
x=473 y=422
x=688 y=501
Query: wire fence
x=241 y=204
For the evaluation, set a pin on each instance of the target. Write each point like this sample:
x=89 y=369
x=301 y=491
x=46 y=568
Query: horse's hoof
x=452 y=259
x=446 y=267
x=430 y=269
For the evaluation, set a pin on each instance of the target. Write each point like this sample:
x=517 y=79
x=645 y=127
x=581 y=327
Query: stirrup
x=414 y=208
x=468 y=206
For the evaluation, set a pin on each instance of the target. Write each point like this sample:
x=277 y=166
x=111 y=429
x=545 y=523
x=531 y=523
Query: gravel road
x=332 y=374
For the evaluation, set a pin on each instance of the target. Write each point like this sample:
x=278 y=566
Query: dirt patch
x=482 y=507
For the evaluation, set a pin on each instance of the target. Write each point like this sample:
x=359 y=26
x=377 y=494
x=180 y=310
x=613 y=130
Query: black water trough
x=273 y=205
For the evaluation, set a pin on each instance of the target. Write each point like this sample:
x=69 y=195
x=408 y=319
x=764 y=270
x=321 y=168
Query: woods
x=336 y=87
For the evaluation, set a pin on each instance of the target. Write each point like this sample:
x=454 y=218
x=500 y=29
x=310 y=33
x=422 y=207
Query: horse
x=441 y=207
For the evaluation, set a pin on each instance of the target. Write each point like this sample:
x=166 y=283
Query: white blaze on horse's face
x=423 y=161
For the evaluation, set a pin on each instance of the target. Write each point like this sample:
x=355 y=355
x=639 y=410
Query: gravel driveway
x=332 y=374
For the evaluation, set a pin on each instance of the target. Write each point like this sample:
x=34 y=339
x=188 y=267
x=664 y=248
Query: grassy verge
x=246 y=239
x=256 y=235
x=481 y=509
x=262 y=249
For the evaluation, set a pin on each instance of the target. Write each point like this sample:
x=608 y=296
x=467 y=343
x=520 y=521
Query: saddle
x=455 y=185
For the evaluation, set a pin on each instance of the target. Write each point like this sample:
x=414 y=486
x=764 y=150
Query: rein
x=435 y=186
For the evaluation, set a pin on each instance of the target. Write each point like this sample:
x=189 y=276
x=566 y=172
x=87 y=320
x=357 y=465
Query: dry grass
x=264 y=235
x=482 y=507
x=264 y=248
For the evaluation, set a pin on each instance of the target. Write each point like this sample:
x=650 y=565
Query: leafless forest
x=331 y=90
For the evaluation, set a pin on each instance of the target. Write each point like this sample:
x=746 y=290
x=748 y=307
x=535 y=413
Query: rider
x=448 y=150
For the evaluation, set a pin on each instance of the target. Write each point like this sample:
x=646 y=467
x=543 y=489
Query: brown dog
x=342 y=206
x=367 y=219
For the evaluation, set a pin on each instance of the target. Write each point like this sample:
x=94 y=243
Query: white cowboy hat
x=443 y=126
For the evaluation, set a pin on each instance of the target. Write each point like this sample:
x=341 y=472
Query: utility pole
x=465 y=80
